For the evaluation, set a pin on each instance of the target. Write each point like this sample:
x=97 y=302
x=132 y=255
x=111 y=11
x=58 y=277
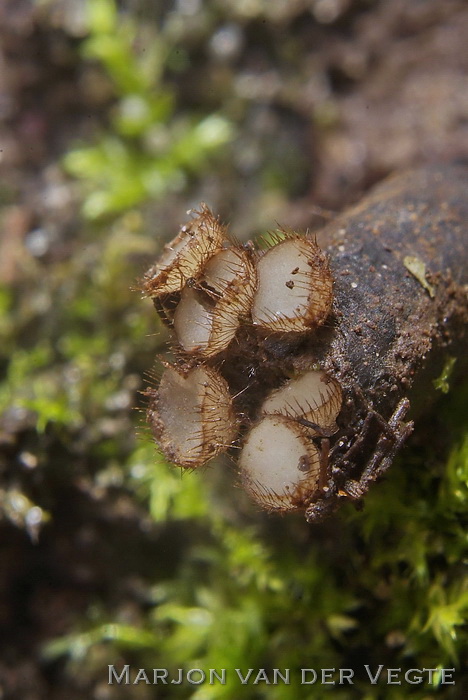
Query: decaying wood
x=398 y=261
x=392 y=330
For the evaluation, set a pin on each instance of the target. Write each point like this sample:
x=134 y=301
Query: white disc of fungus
x=203 y=329
x=294 y=287
x=184 y=257
x=230 y=268
x=193 y=322
x=191 y=416
x=314 y=396
x=208 y=316
x=279 y=464
x=230 y=274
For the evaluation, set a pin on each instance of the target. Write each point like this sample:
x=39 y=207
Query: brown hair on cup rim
x=313 y=396
x=191 y=415
x=184 y=257
x=294 y=288
x=232 y=271
x=279 y=464
x=202 y=329
x=209 y=313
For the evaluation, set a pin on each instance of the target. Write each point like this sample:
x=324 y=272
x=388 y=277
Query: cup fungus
x=313 y=397
x=295 y=288
x=209 y=312
x=245 y=322
x=191 y=415
x=279 y=464
x=202 y=328
x=232 y=272
x=183 y=258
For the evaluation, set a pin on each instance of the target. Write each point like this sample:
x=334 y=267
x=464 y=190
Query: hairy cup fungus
x=232 y=271
x=313 y=397
x=209 y=312
x=391 y=333
x=279 y=464
x=295 y=287
x=191 y=415
x=183 y=258
x=202 y=328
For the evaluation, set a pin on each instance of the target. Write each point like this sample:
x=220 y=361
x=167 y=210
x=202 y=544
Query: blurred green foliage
x=150 y=149
x=246 y=590
x=240 y=599
x=68 y=363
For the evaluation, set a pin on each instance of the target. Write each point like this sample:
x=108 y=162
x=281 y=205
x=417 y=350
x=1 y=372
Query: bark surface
x=399 y=260
x=391 y=326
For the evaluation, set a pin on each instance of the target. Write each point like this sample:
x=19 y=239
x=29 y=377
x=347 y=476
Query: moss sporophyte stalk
x=303 y=360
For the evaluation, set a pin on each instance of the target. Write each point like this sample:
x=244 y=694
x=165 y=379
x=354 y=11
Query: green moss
x=151 y=150
x=380 y=586
x=226 y=586
x=442 y=382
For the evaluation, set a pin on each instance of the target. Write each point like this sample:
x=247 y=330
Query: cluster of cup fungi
x=232 y=310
